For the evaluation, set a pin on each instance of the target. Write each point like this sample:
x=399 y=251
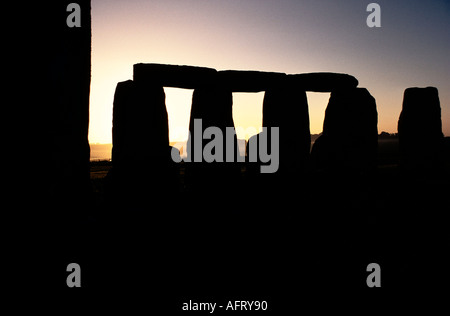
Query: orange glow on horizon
x=289 y=37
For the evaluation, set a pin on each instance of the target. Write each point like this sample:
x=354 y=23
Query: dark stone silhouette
x=214 y=106
x=420 y=128
x=191 y=77
x=323 y=81
x=62 y=87
x=289 y=181
x=249 y=81
x=445 y=154
x=294 y=134
x=140 y=123
x=294 y=128
x=349 y=138
x=257 y=81
x=141 y=142
x=54 y=196
x=388 y=152
x=188 y=77
x=213 y=238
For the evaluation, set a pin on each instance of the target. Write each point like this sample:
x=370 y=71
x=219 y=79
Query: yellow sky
x=247 y=107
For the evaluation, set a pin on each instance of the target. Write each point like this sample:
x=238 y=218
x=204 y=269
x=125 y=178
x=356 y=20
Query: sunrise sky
x=412 y=48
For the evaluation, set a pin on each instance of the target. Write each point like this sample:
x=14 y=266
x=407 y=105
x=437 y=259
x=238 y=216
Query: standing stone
x=214 y=106
x=286 y=108
x=59 y=81
x=420 y=127
x=141 y=157
x=140 y=123
x=350 y=135
x=51 y=91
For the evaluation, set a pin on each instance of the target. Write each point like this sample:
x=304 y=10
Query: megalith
x=140 y=123
x=141 y=154
x=323 y=81
x=60 y=76
x=349 y=141
x=186 y=77
x=212 y=107
x=420 y=127
x=285 y=108
x=249 y=81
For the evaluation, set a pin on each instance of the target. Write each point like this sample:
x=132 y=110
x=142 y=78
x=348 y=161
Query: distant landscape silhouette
x=173 y=231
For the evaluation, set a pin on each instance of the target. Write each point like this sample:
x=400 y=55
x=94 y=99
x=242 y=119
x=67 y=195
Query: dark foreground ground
x=308 y=244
